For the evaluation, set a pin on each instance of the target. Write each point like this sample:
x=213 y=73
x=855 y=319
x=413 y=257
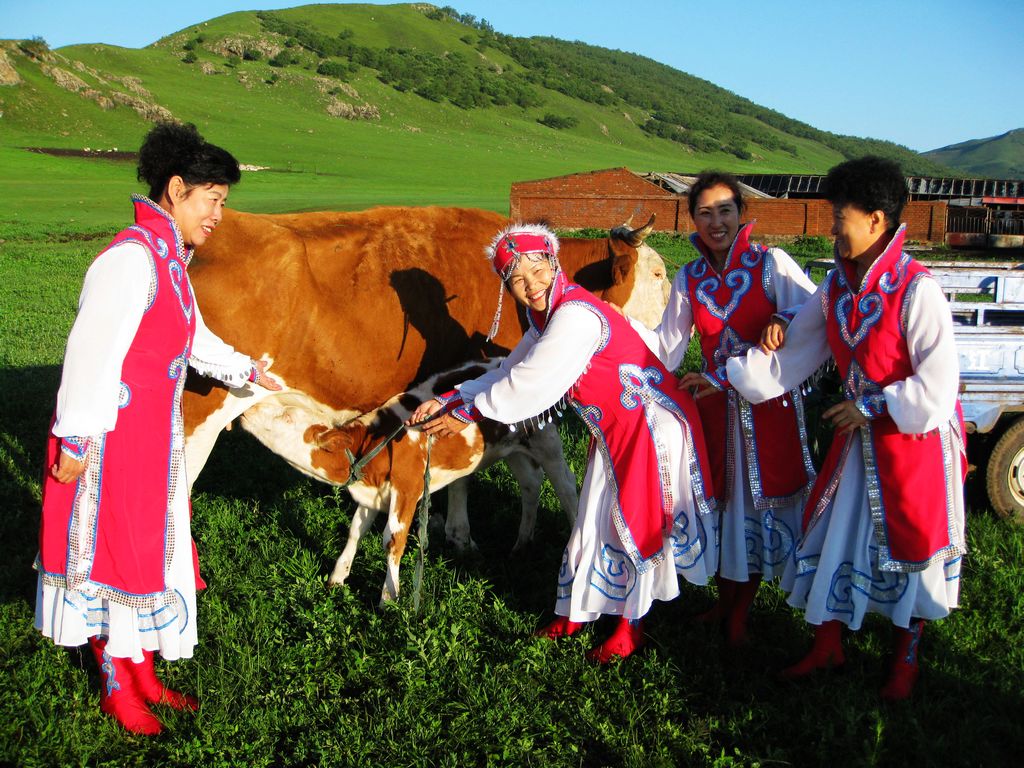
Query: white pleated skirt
x=837 y=574
x=753 y=541
x=597 y=576
x=71 y=617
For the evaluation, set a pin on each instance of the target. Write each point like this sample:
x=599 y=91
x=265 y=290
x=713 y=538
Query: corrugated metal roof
x=680 y=183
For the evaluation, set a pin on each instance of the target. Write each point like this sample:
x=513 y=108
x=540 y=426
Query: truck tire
x=1004 y=475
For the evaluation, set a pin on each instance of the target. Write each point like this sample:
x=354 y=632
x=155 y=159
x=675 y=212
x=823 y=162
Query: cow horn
x=634 y=237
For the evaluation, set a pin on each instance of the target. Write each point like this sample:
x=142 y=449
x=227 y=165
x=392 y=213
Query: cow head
x=638 y=277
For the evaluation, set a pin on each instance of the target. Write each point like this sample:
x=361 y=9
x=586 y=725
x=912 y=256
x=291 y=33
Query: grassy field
x=293 y=673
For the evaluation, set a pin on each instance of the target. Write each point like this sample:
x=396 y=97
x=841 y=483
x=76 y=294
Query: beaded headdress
x=510 y=245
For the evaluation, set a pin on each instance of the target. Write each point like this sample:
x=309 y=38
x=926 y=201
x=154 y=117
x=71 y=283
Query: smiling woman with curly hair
x=117 y=566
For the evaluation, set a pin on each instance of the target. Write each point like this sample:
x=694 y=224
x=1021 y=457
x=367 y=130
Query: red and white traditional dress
x=646 y=497
x=884 y=525
x=759 y=457
x=116 y=554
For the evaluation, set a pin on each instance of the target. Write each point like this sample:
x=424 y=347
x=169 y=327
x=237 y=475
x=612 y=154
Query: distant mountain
x=402 y=102
x=997 y=157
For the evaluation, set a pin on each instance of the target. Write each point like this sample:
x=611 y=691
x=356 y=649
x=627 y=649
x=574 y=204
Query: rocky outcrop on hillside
x=135 y=96
x=237 y=45
x=8 y=74
x=338 y=108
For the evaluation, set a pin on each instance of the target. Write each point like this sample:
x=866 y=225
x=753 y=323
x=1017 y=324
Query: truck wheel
x=1004 y=475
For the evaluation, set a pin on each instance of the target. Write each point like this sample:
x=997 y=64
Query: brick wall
x=600 y=199
x=604 y=199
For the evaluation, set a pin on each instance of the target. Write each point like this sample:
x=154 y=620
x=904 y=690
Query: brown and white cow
x=394 y=478
x=357 y=306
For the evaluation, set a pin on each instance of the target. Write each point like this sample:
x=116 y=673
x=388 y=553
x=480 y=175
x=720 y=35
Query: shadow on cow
x=425 y=308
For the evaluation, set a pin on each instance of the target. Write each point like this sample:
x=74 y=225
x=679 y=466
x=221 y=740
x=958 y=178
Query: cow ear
x=327 y=439
x=622 y=265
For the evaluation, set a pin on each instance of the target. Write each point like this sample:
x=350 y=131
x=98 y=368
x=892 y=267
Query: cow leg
x=530 y=478
x=546 y=449
x=456 y=527
x=396 y=535
x=361 y=521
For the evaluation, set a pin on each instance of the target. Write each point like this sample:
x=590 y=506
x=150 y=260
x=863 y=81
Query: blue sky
x=923 y=74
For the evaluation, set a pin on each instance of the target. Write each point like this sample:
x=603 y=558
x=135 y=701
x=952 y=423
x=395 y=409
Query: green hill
x=347 y=106
x=997 y=157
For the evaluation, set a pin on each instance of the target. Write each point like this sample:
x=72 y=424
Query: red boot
x=736 y=619
x=905 y=669
x=726 y=594
x=627 y=638
x=826 y=653
x=118 y=695
x=560 y=627
x=154 y=691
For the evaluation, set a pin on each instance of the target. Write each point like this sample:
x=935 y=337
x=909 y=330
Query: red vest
x=612 y=397
x=908 y=476
x=118 y=540
x=730 y=310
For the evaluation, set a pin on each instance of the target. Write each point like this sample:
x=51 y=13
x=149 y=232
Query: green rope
x=424 y=509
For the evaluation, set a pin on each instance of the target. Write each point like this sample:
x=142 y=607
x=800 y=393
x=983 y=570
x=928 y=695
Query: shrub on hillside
x=283 y=59
x=189 y=57
x=558 y=122
x=34 y=48
x=252 y=54
x=336 y=69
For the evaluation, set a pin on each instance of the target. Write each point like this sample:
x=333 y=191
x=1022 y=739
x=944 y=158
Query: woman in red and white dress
x=736 y=295
x=645 y=497
x=884 y=524
x=117 y=565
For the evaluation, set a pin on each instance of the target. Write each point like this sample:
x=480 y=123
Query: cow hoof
x=465 y=547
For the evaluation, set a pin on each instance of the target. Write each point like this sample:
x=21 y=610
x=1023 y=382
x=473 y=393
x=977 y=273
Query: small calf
x=393 y=479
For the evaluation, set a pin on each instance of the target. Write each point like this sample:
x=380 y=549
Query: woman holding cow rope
x=117 y=565
x=646 y=494
x=736 y=295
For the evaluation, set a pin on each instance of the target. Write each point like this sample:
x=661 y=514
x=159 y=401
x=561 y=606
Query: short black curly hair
x=708 y=179
x=869 y=183
x=176 y=149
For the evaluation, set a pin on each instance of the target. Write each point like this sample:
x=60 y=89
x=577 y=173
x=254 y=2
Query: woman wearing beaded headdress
x=646 y=493
x=117 y=565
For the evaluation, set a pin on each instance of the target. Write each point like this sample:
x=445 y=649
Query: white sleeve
x=212 y=356
x=676 y=327
x=551 y=365
x=114 y=296
x=470 y=389
x=923 y=401
x=760 y=376
x=792 y=286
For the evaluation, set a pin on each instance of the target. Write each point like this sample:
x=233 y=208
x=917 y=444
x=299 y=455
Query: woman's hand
x=773 y=336
x=67 y=469
x=845 y=416
x=443 y=426
x=263 y=378
x=697 y=384
x=426 y=409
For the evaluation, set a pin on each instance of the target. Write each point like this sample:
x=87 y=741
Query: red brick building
x=608 y=197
